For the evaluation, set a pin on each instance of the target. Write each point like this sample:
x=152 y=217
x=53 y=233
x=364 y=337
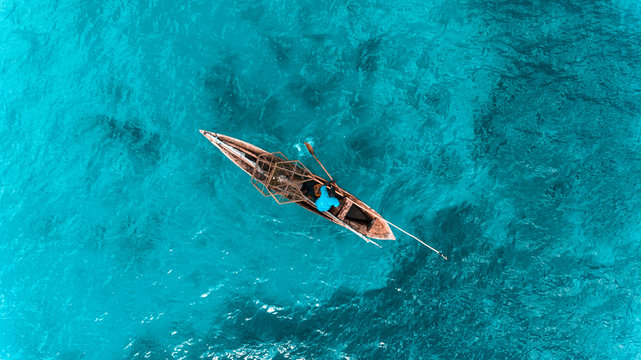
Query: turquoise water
x=506 y=134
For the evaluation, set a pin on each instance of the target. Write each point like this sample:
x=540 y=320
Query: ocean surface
x=507 y=134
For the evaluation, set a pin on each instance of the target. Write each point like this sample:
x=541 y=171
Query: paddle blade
x=309 y=148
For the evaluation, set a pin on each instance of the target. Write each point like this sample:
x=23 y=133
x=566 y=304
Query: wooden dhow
x=288 y=181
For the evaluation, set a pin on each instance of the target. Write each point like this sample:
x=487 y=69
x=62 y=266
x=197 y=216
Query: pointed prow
x=205 y=133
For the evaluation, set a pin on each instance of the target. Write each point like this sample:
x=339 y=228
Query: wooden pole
x=311 y=151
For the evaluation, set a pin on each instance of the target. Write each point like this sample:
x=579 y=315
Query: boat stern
x=380 y=230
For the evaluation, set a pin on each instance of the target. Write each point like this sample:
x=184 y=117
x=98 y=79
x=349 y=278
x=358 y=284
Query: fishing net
x=276 y=176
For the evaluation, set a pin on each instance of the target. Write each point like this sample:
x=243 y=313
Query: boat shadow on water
x=142 y=144
x=366 y=324
x=384 y=314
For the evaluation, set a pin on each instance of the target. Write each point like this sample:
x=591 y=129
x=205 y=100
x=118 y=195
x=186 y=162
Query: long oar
x=311 y=151
x=419 y=240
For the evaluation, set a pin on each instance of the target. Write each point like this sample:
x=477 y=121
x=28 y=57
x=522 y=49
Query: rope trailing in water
x=419 y=240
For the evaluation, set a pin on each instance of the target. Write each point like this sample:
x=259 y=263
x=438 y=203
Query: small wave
x=300 y=147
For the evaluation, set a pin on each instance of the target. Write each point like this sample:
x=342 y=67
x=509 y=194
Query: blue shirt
x=325 y=202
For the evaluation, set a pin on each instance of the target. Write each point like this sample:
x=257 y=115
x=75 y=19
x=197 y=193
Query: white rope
x=419 y=240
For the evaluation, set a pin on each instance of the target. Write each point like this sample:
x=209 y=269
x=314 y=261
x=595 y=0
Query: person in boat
x=308 y=189
x=326 y=196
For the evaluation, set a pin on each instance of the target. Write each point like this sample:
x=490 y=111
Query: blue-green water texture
x=506 y=134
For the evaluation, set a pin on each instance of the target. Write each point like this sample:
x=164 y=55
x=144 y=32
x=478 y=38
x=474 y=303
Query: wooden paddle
x=311 y=151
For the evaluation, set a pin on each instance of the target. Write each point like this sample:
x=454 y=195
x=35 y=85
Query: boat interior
x=347 y=211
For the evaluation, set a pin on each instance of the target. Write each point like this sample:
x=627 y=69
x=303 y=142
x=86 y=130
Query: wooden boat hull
x=352 y=213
